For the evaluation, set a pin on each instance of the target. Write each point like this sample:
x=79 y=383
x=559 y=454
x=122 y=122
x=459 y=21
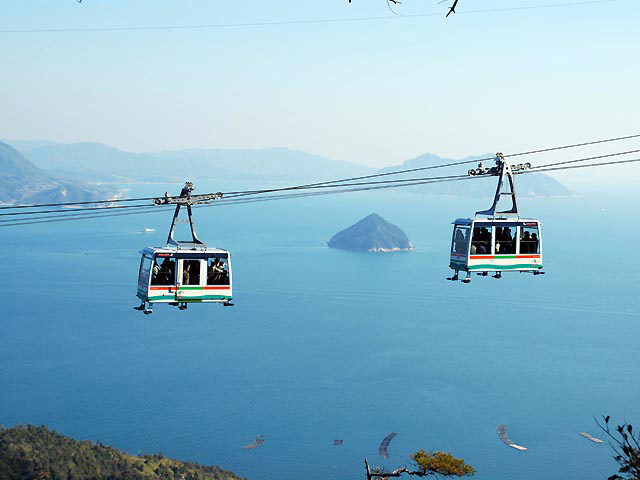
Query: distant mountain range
x=23 y=182
x=97 y=162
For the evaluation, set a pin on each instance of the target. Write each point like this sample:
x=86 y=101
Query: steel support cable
x=571 y=167
x=106 y=208
x=362 y=177
x=333 y=192
x=406 y=180
x=97 y=214
x=234 y=194
x=115 y=200
x=597 y=157
x=310 y=194
x=363 y=186
x=403 y=180
x=31 y=221
x=584 y=144
x=431 y=167
x=69 y=218
x=71 y=210
x=418 y=181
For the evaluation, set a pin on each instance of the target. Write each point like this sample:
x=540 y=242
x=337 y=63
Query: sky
x=374 y=92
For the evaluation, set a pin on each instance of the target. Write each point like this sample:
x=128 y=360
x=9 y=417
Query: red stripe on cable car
x=204 y=288
x=500 y=256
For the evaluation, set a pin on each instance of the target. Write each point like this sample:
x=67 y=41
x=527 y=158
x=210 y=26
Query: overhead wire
x=86 y=202
x=329 y=182
x=597 y=157
x=548 y=167
x=431 y=167
x=445 y=177
x=600 y=164
x=418 y=182
x=73 y=213
x=574 y=145
x=396 y=182
x=66 y=218
x=108 y=207
x=292 y=22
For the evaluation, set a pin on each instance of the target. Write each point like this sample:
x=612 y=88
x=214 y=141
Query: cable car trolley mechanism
x=496 y=241
x=184 y=272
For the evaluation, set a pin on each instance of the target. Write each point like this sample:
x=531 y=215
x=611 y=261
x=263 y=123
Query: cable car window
x=529 y=239
x=164 y=272
x=460 y=239
x=506 y=240
x=481 y=241
x=217 y=271
x=191 y=272
x=145 y=269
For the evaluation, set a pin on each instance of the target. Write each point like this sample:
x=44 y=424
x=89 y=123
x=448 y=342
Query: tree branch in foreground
x=425 y=464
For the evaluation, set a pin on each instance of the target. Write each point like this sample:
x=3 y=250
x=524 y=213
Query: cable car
x=184 y=272
x=496 y=241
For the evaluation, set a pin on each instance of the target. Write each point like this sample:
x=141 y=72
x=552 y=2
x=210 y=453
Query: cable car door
x=189 y=280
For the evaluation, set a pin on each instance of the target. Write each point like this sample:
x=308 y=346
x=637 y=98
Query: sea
x=325 y=344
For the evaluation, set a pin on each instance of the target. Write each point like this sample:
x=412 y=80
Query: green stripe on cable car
x=504 y=267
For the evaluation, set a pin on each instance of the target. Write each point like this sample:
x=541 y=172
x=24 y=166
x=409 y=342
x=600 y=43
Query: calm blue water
x=325 y=344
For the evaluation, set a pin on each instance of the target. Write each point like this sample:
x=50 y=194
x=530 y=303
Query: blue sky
x=373 y=92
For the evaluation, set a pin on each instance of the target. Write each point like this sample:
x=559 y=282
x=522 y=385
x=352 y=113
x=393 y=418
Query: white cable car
x=495 y=241
x=184 y=272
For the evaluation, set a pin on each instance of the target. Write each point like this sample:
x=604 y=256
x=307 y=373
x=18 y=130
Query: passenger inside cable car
x=461 y=239
x=506 y=239
x=217 y=271
x=164 y=273
x=191 y=272
x=529 y=242
x=481 y=241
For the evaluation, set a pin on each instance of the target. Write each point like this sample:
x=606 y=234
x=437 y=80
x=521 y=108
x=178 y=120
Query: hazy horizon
x=369 y=92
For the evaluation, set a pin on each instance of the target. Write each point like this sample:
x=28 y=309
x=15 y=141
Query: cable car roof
x=184 y=249
x=469 y=221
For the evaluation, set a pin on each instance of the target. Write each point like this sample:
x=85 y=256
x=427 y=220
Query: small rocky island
x=371 y=234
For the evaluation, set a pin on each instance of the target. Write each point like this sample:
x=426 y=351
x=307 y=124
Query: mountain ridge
x=22 y=181
x=100 y=161
x=91 y=161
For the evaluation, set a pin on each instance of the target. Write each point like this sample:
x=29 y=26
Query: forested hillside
x=30 y=452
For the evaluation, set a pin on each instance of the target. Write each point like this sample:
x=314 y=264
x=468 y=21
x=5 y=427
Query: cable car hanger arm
x=502 y=169
x=185 y=199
